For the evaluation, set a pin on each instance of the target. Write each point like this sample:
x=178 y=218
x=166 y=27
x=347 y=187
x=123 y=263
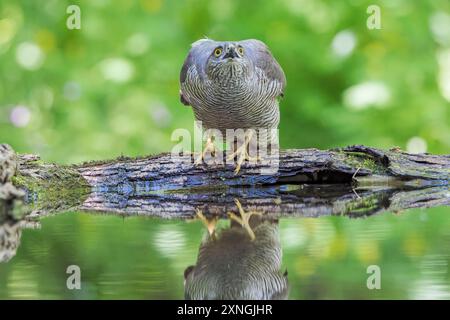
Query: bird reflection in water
x=239 y=262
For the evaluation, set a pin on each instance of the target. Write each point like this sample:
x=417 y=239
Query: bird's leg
x=210 y=224
x=244 y=218
x=242 y=153
x=209 y=147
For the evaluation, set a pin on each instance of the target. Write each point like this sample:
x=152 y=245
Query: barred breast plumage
x=232 y=85
x=256 y=266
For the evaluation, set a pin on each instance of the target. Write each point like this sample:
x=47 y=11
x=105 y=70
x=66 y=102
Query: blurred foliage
x=141 y=258
x=111 y=87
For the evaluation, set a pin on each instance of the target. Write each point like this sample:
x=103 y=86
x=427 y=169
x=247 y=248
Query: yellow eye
x=241 y=51
x=218 y=52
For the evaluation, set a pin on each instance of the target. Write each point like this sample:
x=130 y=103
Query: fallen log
x=309 y=182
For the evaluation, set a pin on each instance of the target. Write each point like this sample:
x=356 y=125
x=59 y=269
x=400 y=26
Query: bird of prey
x=232 y=85
x=232 y=266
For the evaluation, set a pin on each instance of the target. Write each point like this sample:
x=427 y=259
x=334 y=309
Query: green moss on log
x=362 y=161
x=56 y=188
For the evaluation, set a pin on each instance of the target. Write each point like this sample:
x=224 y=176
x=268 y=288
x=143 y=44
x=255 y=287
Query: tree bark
x=355 y=180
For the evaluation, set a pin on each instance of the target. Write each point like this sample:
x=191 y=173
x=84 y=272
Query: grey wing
x=188 y=63
x=263 y=59
x=195 y=64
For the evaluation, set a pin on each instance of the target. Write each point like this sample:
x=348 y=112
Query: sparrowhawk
x=232 y=85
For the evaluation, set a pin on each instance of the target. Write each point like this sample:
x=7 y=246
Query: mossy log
x=354 y=180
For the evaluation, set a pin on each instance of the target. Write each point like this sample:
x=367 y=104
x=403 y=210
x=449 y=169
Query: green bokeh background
x=111 y=88
x=101 y=118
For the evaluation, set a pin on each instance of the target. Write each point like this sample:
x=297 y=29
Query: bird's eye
x=218 y=52
x=240 y=51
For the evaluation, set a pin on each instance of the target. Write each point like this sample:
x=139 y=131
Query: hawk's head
x=228 y=60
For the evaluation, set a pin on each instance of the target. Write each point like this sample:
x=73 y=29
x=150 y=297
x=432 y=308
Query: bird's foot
x=209 y=147
x=242 y=154
x=241 y=159
x=210 y=224
x=244 y=218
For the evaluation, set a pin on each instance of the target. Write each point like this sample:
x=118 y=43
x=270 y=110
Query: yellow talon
x=209 y=147
x=244 y=218
x=242 y=153
x=210 y=224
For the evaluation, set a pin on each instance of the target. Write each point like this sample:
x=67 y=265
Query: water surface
x=146 y=258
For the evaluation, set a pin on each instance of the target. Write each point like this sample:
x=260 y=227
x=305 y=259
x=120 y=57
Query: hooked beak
x=231 y=53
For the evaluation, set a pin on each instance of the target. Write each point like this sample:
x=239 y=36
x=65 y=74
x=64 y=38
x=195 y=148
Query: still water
x=295 y=258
